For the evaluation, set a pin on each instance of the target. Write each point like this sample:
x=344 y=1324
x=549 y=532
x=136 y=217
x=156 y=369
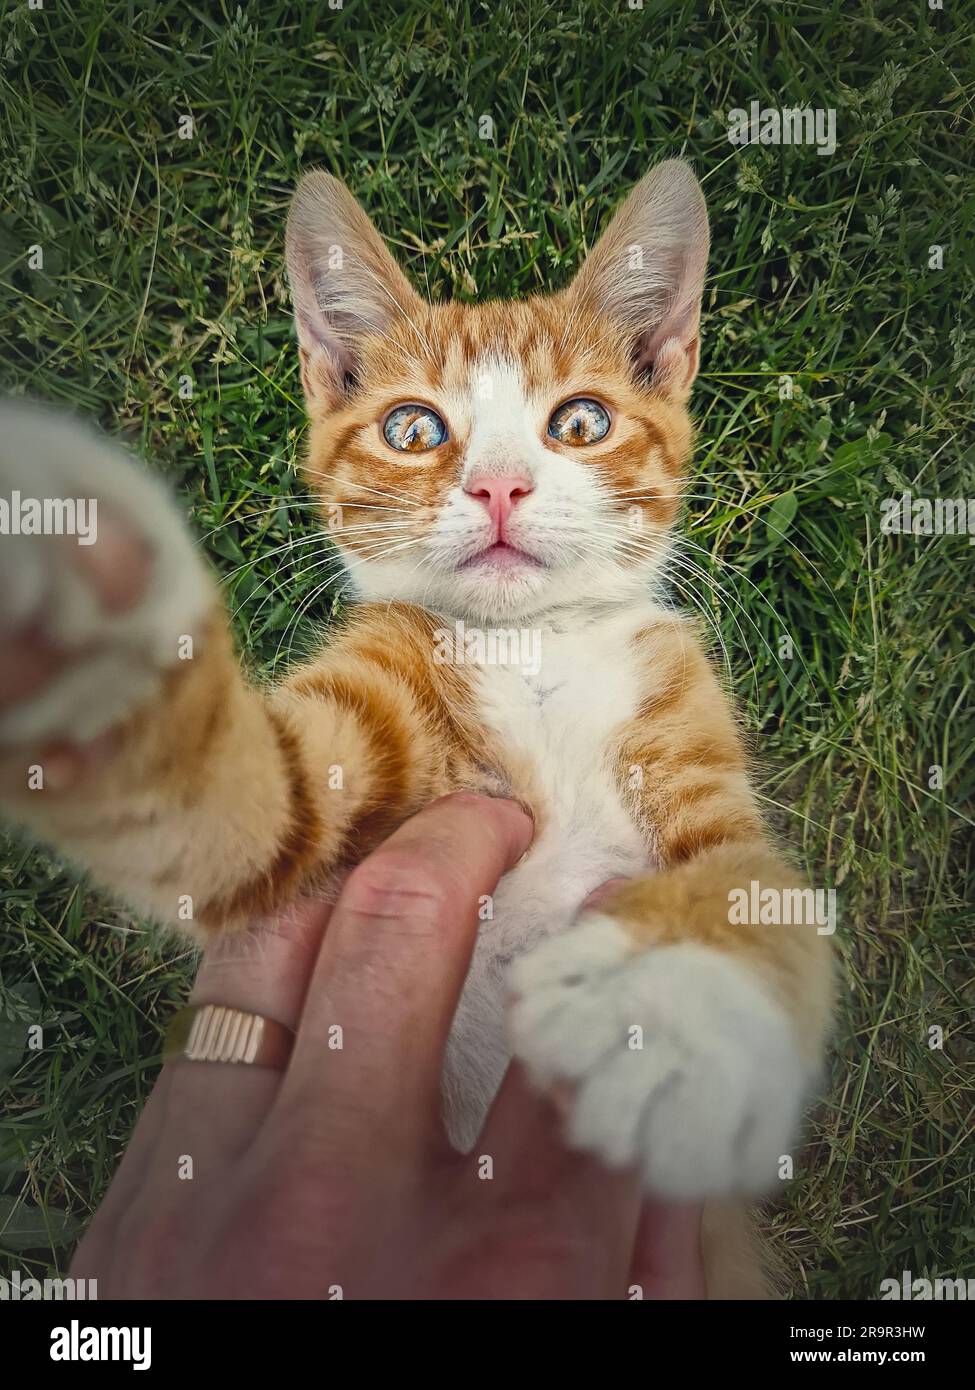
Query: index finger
x=389 y=974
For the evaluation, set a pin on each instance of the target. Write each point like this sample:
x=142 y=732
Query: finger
x=209 y=1112
x=667 y=1261
x=565 y=1197
x=370 y=1045
x=214 y=1109
x=131 y=1177
x=266 y=968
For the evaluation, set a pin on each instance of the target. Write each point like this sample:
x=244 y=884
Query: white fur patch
x=119 y=659
x=562 y=722
x=683 y=1065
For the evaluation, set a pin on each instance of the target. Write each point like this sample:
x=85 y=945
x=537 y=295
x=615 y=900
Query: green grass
x=163 y=258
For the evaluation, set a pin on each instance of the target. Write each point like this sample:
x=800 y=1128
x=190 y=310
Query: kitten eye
x=414 y=428
x=579 y=421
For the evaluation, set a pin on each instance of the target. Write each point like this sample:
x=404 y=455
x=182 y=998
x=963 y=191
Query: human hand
x=334 y=1178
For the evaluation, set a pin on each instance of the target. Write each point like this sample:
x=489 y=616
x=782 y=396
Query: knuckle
x=399 y=886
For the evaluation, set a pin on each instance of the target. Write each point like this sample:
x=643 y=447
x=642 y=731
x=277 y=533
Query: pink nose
x=499 y=495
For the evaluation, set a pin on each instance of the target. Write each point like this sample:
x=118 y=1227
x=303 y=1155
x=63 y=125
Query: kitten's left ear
x=646 y=274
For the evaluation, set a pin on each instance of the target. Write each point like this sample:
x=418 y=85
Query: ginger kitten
x=502 y=479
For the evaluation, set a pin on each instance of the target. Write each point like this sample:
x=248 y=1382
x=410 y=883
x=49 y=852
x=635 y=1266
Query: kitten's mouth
x=501 y=558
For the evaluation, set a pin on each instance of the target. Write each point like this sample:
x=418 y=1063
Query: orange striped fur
x=224 y=800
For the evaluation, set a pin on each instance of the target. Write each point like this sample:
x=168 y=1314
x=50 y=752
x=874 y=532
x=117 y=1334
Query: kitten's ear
x=646 y=274
x=344 y=283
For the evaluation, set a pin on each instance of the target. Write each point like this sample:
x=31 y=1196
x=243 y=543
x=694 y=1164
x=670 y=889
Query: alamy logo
x=777 y=907
x=49 y=516
x=802 y=125
x=495 y=646
x=928 y=516
x=21 y=1288
x=923 y=1290
x=78 y=1343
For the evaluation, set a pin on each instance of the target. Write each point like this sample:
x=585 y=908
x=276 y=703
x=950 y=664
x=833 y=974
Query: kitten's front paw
x=682 y=1064
x=99 y=581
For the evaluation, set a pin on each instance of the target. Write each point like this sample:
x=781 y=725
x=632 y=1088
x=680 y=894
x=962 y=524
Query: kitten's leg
x=217 y=801
x=691 y=1038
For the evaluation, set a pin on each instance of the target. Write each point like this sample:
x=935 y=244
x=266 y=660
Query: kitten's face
x=491 y=461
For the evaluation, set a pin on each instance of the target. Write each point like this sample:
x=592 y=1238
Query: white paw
x=112 y=661
x=683 y=1065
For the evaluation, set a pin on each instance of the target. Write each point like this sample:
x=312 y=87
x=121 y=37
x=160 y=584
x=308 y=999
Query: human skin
x=335 y=1178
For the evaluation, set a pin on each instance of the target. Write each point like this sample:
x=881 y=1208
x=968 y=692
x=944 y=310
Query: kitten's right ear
x=344 y=283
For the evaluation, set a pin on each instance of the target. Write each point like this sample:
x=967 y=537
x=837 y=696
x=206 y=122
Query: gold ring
x=217 y=1033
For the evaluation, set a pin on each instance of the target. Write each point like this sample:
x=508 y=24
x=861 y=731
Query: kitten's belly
x=538 y=897
x=587 y=838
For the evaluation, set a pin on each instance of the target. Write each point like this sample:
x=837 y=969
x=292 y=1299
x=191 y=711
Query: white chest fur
x=562 y=719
